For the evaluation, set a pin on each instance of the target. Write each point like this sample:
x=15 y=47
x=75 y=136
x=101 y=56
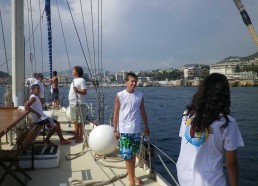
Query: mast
x=18 y=65
x=49 y=33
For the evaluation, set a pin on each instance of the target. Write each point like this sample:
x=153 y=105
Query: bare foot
x=48 y=142
x=138 y=181
x=65 y=142
x=131 y=183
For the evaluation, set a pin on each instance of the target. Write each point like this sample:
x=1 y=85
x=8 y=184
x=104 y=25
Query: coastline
x=166 y=83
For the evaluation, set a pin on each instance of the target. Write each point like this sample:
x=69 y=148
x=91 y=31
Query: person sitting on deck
x=34 y=105
x=39 y=82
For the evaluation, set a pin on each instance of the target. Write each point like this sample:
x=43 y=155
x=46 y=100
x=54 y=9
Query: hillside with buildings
x=237 y=68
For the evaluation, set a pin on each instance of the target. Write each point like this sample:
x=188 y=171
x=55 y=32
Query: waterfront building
x=191 y=70
x=233 y=68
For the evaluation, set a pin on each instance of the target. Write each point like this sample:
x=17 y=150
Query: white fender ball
x=102 y=140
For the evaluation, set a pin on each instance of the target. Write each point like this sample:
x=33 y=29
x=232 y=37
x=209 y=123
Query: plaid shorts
x=129 y=144
x=76 y=112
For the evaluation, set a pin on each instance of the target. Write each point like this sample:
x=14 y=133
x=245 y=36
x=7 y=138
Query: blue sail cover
x=48 y=15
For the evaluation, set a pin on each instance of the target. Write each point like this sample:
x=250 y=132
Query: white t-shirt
x=31 y=80
x=200 y=161
x=42 y=88
x=80 y=84
x=129 y=113
x=38 y=108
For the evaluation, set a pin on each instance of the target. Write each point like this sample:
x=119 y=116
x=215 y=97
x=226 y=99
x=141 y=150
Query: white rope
x=164 y=153
x=253 y=34
x=168 y=170
x=247 y=20
x=98 y=183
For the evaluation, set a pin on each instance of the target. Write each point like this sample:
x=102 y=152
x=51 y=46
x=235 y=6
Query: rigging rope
x=101 y=42
x=68 y=58
x=85 y=33
x=247 y=20
x=40 y=26
x=93 y=43
x=33 y=39
x=98 y=43
x=79 y=38
x=28 y=9
x=30 y=35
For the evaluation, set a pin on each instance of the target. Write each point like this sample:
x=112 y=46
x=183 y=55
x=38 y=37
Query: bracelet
x=115 y=131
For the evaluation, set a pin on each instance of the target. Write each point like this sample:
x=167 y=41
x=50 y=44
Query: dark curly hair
x=130 y=74
x=210 y=102
x=79 y=70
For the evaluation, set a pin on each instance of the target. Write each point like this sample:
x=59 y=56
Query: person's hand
x=75 y=89
x=146 y=130
x=116 y=134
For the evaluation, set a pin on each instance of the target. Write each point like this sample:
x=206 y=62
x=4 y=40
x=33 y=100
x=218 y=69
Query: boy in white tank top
x=128 y=109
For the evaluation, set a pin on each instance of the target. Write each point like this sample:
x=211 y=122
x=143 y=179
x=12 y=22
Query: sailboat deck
x=82 y=168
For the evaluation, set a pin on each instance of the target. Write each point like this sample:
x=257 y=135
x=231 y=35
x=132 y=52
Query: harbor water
x=165 y=105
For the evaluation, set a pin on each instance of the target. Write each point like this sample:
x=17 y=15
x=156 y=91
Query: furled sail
x=48 y=16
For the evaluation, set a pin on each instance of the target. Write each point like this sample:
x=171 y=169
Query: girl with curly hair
x=207 y=133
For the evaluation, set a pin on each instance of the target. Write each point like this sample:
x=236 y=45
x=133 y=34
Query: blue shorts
x=129 y=145
x=55 y=94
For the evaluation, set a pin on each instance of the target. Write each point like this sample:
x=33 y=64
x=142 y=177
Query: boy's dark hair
x=34 y=86
x=79 y=70
x=130 y=74
x=35 y=75
x=54 y=73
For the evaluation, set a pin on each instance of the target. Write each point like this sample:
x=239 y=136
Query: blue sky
x=141 y=34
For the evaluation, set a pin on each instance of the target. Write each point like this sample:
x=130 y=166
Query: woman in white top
x=208 y=132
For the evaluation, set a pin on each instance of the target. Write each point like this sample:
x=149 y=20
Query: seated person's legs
x=54 y=126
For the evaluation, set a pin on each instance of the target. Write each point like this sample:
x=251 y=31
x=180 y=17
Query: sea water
x=164 y=107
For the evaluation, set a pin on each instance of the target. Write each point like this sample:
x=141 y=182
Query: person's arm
x=52 y=81
x=144 y=118
x=232 y=167
x=27 y=105
x=116 y=116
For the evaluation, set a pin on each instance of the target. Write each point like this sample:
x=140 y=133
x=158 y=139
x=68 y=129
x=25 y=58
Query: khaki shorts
x=78 y=113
